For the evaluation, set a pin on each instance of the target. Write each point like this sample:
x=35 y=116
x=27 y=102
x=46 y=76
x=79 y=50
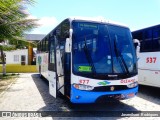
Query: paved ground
x=30 y=93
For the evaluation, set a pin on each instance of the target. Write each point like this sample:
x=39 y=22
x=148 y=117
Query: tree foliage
x=8 y=47
x=14 y=22
x=13 y=19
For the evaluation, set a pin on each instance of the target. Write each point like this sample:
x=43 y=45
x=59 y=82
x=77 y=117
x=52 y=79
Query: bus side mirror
x=68 y=46
x=137 y=45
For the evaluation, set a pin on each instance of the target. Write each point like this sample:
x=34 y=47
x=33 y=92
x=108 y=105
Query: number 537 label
x=151 y=60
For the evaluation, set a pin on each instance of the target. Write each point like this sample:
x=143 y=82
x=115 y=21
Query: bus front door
x=52 y=69
x=52 y=83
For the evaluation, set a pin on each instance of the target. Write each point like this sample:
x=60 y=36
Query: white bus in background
x=148 y=55
x=89 y=60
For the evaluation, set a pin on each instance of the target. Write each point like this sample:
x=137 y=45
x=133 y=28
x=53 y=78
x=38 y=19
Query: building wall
x=15 y=56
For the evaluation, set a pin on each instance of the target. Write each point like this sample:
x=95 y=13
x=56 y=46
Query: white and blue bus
x=148 y=52
x=89 y=60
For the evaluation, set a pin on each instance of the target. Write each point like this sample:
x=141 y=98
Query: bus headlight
x=132 y=85
x=83 y=87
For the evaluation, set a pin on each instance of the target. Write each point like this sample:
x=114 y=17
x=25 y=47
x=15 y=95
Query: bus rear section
x=148 y=53
x=95 y=61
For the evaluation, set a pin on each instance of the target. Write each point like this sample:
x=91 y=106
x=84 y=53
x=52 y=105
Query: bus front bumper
x=82 y=96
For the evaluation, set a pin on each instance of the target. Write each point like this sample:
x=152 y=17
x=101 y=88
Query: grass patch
x=6 y=80
x=8 y=76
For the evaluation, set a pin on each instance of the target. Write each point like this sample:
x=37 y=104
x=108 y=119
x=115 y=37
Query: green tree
x=14 y=21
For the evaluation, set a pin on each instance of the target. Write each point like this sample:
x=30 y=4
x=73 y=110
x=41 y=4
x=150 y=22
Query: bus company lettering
x=127 y=81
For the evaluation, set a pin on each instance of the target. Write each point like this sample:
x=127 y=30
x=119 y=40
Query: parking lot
x=30 y=93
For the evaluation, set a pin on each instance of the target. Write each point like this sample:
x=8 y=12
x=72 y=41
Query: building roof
x=34 y=37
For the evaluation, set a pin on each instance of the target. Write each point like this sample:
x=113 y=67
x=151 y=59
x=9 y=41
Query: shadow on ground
x=62 y=106
x=149 y=93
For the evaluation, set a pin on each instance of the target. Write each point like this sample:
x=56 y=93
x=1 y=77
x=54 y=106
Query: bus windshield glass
x=102 y=49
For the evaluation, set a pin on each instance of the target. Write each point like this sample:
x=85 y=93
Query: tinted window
x=149 y=39
x=94 y=49
x=156 y=39
x=47 y=44
x=147 y=45
x=51 y=66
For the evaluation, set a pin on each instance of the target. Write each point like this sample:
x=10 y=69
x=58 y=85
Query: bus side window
x=51 y=65
x=148 y=41
x=156 y=39
x=46 y=48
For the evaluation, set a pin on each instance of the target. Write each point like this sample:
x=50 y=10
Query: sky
x=136 y=14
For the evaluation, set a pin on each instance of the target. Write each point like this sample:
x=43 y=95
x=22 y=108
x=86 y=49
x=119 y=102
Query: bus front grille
x=108 y=88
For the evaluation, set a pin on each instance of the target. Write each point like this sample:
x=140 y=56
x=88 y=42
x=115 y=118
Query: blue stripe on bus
x=91 y=97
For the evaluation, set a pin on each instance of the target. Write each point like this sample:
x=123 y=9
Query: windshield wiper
x=119 y=55
x=89 y=58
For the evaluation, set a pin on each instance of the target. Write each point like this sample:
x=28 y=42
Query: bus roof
x=90 y=19
x=97 y=19
x=151 y=27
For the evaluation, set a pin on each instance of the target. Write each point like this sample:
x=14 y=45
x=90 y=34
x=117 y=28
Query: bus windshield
x=102 y=49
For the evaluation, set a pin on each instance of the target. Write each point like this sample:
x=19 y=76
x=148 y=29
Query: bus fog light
x=83 y=87
x=132 y=85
